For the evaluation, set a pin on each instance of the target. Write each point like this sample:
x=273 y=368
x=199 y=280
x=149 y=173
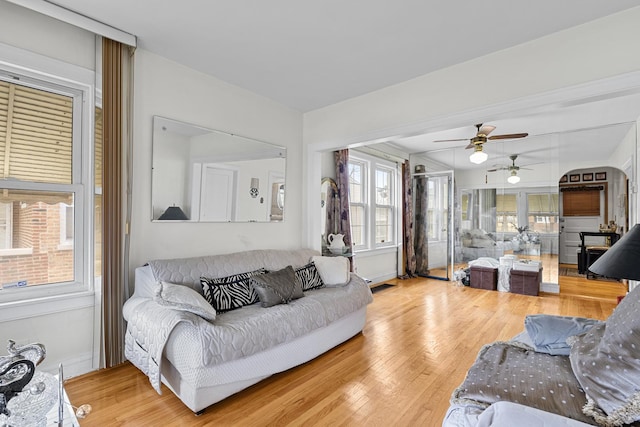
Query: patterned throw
x=507 y=371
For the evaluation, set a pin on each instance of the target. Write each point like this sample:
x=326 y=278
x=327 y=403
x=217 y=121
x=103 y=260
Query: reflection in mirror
x=214 y=176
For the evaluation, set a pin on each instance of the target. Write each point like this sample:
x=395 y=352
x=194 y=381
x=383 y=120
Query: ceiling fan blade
x=486 y=129
x=451 y=140
x=493 y=170
x=509 y=136
x=472 y=145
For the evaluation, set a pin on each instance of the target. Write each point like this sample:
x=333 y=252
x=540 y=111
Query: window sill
x=16 y=252
x=362 y=253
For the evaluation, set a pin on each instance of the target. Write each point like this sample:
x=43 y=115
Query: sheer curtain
x=117 y=80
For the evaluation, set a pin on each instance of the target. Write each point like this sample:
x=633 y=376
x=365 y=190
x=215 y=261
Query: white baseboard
x=552 y=288
x=379 y=279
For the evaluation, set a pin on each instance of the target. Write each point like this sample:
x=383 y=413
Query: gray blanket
x=509 y=372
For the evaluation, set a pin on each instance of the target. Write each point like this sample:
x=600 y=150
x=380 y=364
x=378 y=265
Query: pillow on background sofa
x=231 y=292
x=606 y=362
x=309 y=277
x=277 y=287
x=183 y=298
x=333 y=270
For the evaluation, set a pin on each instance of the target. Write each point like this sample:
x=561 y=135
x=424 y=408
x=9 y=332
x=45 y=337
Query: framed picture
x=564 y=178
x=587 y=176
x=601 y=176
x=574 y=177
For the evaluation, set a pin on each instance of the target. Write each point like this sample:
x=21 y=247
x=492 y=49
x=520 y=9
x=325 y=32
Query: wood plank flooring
x=420 y=338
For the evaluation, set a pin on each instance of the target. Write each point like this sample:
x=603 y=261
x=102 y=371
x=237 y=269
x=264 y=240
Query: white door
x=217 y=195
x=570 y=228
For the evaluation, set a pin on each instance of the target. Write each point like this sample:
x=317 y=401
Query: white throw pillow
x=184 y=298
x=334 y=271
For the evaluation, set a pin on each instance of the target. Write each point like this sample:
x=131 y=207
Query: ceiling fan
x=512 y=168
x=482 y=136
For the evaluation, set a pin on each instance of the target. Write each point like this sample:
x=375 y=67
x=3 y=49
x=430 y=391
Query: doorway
x=437 y=223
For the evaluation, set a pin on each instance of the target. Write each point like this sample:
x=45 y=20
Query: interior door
x=217 y=194
x=440 y=224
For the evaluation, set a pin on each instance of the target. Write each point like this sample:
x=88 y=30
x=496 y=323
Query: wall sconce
x=253 y=190
x=173 y=213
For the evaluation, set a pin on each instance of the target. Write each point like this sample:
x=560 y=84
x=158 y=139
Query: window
x=372 y=199
x=357 y=201
x=542 y=212
x=41 y=186
x=506 y=213
x=437 y=211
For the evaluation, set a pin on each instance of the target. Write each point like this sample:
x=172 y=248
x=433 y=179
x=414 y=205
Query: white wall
x=589 y=52
x=527 y=75
x=66 y=327
x=170 y=90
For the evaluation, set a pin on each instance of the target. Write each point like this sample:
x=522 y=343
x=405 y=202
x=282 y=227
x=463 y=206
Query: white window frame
x=40 y=72
x=371 y=165
x=364 y=204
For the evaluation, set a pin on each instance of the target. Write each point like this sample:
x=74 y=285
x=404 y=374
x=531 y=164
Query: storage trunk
x=484 y=278
x=525 y=282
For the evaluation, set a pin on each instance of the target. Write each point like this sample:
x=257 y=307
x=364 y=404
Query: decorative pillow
x=606 y=362
x=277 y=287
x=183 y=298
x=309 y=277
x=334 y=271
x=232 y=292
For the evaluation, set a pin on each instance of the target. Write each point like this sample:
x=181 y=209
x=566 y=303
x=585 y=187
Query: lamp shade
x=173 y=213
x=478 y=157
x=622 y=260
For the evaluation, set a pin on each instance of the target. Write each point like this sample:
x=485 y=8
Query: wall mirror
x=206 y=175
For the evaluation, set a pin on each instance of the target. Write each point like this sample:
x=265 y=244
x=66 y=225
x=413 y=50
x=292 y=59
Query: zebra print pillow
x=309 y=277
x=232 y=292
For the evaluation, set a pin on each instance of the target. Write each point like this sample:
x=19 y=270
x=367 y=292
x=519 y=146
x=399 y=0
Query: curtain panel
x=116 y=132
x=408 y=234
x=342 y=181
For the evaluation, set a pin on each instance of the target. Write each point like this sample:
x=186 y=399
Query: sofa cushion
x=309 y=277
x=333 y=270
x=231 y=292
x=606 y=361
x=183 y=298
x=277 y=287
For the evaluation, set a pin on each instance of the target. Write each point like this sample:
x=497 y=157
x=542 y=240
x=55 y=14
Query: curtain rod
x=78 y=20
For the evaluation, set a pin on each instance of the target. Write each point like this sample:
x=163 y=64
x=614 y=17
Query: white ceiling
x=309 y=54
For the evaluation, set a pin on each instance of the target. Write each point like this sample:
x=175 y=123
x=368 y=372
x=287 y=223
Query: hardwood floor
x=420 y=338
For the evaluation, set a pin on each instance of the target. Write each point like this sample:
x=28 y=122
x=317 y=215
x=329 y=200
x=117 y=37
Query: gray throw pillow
x=277 y=287
x=606 y=362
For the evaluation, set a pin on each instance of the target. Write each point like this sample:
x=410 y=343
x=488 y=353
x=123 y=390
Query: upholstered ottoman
x=484 y=277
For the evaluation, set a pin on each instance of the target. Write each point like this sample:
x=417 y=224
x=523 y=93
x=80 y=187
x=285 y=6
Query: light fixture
x=478 y=156
x=514 y=178
x=173 y=213
x=253 y=189
x=620 y=261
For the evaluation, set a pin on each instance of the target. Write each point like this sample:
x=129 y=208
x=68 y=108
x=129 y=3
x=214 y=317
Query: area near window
x=373 y=202
x=40 y=186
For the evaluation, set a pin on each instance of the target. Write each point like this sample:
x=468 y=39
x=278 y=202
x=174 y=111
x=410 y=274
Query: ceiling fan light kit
x=514 y=178
x=478 y=156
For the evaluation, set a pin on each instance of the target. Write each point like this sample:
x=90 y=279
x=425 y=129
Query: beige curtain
x=117 y=72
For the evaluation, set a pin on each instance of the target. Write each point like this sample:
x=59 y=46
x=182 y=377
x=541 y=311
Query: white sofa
x=203 y=361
